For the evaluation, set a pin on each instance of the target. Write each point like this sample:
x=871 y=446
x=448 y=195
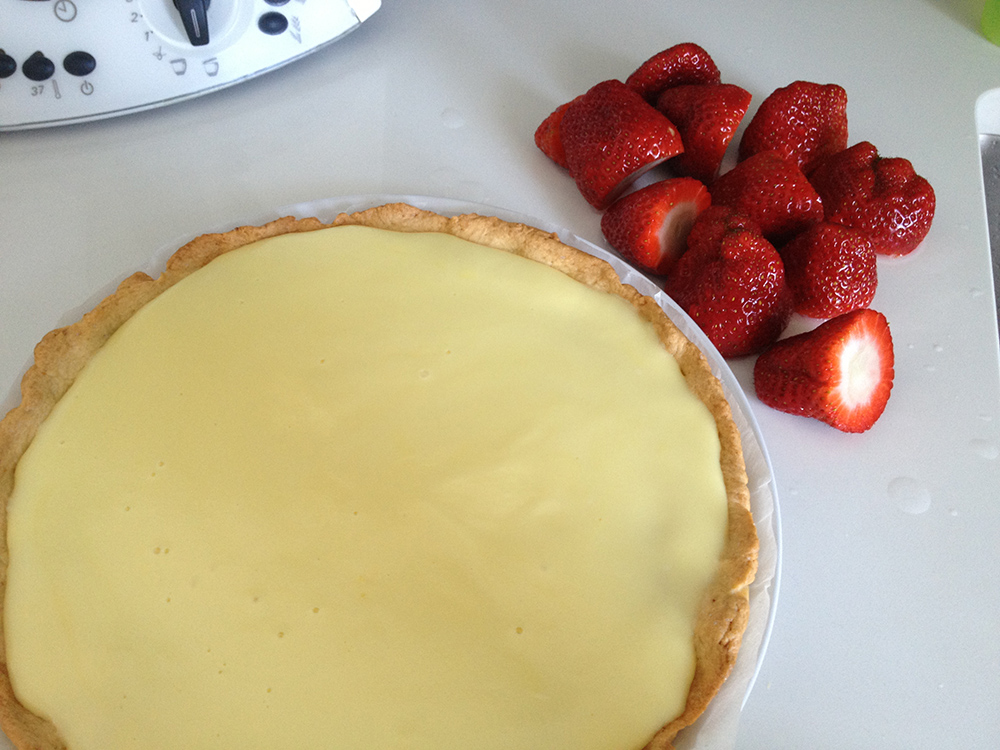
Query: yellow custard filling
x=353 y=488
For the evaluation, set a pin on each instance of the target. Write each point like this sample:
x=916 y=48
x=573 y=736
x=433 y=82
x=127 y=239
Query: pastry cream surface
x=362 y=489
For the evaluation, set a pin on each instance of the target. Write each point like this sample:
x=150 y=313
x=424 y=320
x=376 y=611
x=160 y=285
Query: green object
x=990 y=21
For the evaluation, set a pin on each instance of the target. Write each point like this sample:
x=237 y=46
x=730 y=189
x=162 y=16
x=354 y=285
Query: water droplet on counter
x=976 y=292
x=910 y=495
x=938 y=348
x=452 y=118
x=953 y=512
x=985 y=448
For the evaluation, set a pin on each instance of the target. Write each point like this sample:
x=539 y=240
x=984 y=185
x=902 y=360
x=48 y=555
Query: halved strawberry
x=883 y=196
x=650 y=226
x=830 y=269
x=548 y=136
x=611 y=136
x=840 y=373
x=731 y=282
x=707 y=116
x=680 y=64
x=773 y=192
x=804 y=122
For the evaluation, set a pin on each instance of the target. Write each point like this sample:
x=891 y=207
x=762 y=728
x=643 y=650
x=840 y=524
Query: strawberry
x=680 y=64
x=714 y=222
x=548 y=136
x=650 y=226
x=883 y=196
x=840 y=373
x=804 y=122
x=830 y=269
x=773 y=192
x=611 y=136
x=732 y=283
x=707 y=116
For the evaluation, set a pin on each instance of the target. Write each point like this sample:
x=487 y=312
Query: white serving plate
x=716 y=729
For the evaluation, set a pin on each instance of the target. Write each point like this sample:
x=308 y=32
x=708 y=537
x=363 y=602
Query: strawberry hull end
x=841 y=373
x=650 y=227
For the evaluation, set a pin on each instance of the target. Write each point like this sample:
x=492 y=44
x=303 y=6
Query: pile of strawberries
x=795 y=226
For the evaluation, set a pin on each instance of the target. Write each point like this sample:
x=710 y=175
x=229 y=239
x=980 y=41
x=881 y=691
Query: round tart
x=400 y=480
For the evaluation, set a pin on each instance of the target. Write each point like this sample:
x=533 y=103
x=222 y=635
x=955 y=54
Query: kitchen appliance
x=68 y=61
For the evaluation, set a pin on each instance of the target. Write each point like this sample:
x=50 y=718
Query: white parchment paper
x=716 y=729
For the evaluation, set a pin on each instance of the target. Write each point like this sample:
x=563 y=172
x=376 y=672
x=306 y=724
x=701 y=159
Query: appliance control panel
x=68 y=61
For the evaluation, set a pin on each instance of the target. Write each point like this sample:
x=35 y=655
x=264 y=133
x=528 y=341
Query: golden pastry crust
x=61 y=355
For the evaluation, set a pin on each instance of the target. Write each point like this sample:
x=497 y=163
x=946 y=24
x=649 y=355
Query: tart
x=400 y=480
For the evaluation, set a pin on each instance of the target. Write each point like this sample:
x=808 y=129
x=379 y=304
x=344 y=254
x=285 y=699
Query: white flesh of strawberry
x=675 y=227
x=860 y=371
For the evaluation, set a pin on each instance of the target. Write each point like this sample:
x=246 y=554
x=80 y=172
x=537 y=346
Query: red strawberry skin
x=882 y=196
x=707 y=116
x=715 y=222
x=548 y=136
x=805 y=122
x=681 y=64
x=611 y=135
x=831 y=270
x=650 y=226
x=773 y=192
x=731 y=282
x=840 y=373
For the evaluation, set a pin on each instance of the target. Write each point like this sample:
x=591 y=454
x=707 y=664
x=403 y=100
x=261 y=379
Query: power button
x=79 y=63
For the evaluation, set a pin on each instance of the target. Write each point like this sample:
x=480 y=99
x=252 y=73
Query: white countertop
x=885 y=635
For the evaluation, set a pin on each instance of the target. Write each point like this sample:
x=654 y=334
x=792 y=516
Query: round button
x=79 y=63
x=38 y=67
x=8 y=65
x=272 y=23
x=276 y=2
